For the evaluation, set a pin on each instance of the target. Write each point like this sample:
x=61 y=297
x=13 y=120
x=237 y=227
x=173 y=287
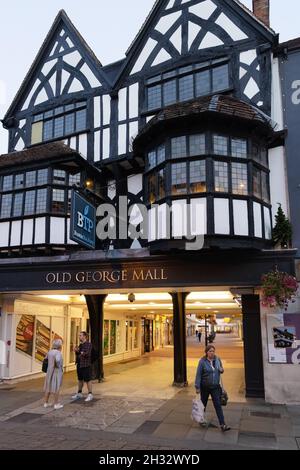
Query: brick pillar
x=261 y=9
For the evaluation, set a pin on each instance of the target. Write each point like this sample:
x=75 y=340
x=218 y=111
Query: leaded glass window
x=198 y=176
x=179 y=179
x=239 y=178
x=221 y=177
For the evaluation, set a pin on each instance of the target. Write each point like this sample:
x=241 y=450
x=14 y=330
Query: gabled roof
x=61 y=19
x=236 y=5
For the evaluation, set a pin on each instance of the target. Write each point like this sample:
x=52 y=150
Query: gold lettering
x=50 y=278
x=149 y=275
x=124 y=275
x=163 y=276
x=138 y=277
x=97 y=276
x=80 y=277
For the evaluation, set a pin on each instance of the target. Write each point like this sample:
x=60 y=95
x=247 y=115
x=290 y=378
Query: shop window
x=112 y=341
x=221 y=177
x=179 y=179
x=106 y=338
x=239 y=178
x=74 y=337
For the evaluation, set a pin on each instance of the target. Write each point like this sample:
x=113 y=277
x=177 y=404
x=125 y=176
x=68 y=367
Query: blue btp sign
x=83 y=221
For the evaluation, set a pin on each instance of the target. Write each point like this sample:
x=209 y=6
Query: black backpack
x=45 y=365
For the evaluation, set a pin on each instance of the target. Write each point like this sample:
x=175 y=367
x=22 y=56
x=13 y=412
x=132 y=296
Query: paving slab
x=257 y=440
x=172 y=431
x=287 y=443
x=253 y=425
x=217 y=436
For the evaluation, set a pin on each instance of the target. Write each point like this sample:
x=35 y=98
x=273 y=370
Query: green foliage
x=283 y=231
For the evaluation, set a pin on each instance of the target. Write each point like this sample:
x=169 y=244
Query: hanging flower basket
x=278 y=289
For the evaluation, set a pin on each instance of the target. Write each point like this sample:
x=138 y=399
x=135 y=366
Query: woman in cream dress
x=53 y=380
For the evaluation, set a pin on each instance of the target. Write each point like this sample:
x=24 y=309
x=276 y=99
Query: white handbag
x=198 y=411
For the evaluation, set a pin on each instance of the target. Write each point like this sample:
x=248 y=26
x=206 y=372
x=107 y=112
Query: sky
x=108 y=27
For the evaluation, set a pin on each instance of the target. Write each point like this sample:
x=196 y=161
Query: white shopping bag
x=198 y=411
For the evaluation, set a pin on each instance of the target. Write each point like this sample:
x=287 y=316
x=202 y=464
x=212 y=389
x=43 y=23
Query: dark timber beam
x=179 y=327
x=95 y=305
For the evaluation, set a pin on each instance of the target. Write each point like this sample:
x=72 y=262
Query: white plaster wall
x=276 y=96
x=282 y=381
x=240 y=217
x=278 y=180
x=57 y=230
x=257 y=220
x=221 y=214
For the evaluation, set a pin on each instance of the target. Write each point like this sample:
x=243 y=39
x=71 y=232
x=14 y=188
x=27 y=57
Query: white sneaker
x=77 y=396
x=46 y=405
x=59 y=406
x=89 y=398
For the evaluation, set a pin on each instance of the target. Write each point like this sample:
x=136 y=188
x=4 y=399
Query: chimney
x=261 y=9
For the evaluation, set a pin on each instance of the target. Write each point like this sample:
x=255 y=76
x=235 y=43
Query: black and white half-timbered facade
x=190 y=120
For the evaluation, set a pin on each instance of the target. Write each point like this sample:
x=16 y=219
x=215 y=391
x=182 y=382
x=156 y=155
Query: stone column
x=179 y=327
x=95 y=305
x=254 y=374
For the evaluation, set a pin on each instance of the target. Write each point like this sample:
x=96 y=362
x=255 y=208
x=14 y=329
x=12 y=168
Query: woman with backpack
x=207 y=382
x=53 y=379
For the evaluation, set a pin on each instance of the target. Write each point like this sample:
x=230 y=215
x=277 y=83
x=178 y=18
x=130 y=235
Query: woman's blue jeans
x=216 y=398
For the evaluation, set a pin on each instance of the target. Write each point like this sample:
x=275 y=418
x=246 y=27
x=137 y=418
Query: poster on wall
x=42 y=341
x=24 y=334
x=284 y=338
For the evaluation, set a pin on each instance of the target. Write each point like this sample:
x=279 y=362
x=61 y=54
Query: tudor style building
x=190 y=119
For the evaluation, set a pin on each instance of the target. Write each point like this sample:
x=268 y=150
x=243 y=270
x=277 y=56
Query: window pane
x=59 y=127
x=264 y=156
x=30 y=179
x=42 y=176
x=239 y=148
x=179 y=147
x=70 y=124
x=59 y=176
x=48 y=130
x=48 y=114
x=41 y=202
x=59 y=110
x=58 y=201
x=7 y=183
x=81 y=120
x=161 y=184
x=203 y=83
x=6 y=204
x=198 y=177
x=221 y=177
x=240 y=178
x=186 y=88
x=169 y=92
x=161 y=154
x=152 y=159
x=265 y=187
x=179 y=179
x=197 y=144
x=74 y=179
x=18 y=205
x=19 y=181
x=37 y=118
x=154 y=97
x=256 y=183
x=220 y=78
x=151 y=190
x=220 y=145
x=29 y=203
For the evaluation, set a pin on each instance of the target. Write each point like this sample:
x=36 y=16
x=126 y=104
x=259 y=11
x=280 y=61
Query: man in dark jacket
x=84 y=366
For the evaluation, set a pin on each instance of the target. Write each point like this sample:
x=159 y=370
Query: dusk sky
x=108 y=27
